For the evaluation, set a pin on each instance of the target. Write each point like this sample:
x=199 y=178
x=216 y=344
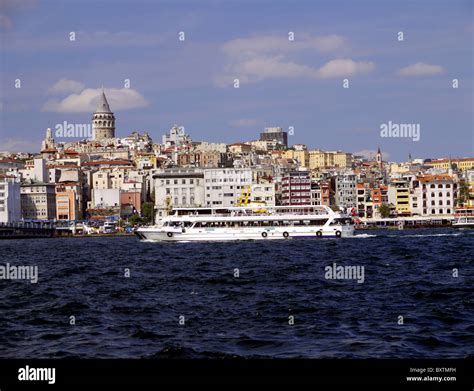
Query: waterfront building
x=68 y=201
x=263 y=192
x=10 y=200
x=103 y=120
x=38 y=201
x=379 y=196
x=178 y=187
x=345 y=190
x=223 y=186
x=399 y=196
x=105 y=198
x=296 y=188
x=434 y=195
x=320 y=192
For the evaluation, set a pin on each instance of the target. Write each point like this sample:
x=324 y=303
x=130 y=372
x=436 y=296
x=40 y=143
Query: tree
x=384 y=211
x=463 y=192
x=148 y=210
x=135 y=219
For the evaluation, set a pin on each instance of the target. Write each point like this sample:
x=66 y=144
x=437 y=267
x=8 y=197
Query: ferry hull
x=159 y=234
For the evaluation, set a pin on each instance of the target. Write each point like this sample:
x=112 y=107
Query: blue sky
x=282 y=83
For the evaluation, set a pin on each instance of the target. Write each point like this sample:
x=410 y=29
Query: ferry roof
x=255 y=207
x=257 y=217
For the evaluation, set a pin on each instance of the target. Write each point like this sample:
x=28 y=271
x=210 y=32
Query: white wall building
x=223 y=186
x=435 y=195
x=35 y=171
x=105 y=198
x=38 y=201
x=176 y=136
x=10 y=201
x=178 y=187
x=263 y=192
x=346 y=194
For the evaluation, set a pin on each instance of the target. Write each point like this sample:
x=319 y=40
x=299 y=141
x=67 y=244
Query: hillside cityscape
x=137 y=179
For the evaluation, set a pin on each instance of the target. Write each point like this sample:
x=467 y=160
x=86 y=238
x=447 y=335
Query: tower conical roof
x=103 y=105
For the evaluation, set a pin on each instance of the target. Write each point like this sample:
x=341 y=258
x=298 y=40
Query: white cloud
x=259 y=58
x=85 y=101
x=243 y=122
x=421 y=69
x=249 y=47
x=345 y=67
x=66 y=86
x=261 y=68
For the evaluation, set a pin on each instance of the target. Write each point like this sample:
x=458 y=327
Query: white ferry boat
x=464 y=218
x=249 y=223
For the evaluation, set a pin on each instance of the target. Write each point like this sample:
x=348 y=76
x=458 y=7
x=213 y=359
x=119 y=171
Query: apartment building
x=399 y=196
x=38 y=201
x=345 y=190
x=434 y=195
x=10 y=200
x=223 y=186
x=178 y=187
x=296 y=188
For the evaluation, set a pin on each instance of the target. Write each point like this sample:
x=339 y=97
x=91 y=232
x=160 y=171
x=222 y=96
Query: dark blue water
x=407 y=273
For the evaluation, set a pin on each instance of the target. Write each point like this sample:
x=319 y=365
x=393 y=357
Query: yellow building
x=399 y=196
x=461 y=164
x=302 y=156
x=342 y=159
x=323 y=159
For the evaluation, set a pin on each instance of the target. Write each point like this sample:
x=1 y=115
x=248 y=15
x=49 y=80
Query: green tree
x=384 y=211
x=463 y=192
x=148 y=211
x=135 y=219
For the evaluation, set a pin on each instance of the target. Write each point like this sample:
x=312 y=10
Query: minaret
x=103 y=120
x=48 y=143
x=379 y=159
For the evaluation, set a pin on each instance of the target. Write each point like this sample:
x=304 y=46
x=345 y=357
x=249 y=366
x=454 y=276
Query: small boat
x=249 y=223
x=464 y=218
